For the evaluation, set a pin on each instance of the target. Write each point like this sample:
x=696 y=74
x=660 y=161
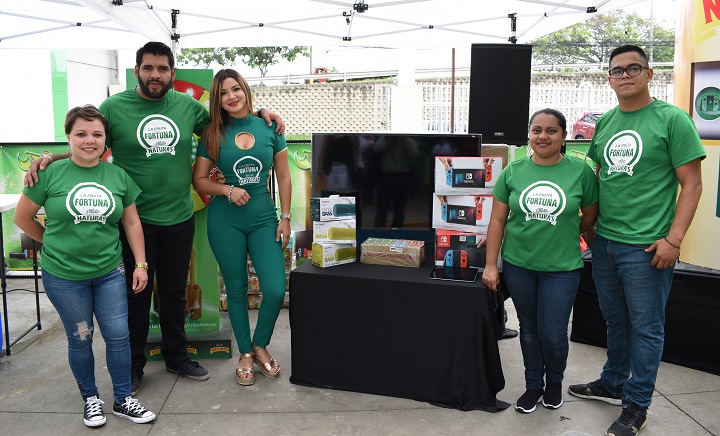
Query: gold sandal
x=267 y=367
x=240 y=372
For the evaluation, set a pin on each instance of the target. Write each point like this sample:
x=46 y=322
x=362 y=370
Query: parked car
x=584 y=127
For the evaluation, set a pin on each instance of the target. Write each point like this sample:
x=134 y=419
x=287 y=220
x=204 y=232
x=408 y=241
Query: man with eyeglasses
x=644 y=148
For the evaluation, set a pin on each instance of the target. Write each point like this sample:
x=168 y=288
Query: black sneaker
x=631 y=421
x=552 y=398
x=94 y=415
x=190 y=369
x=527 y=402
x=135 y=384
x=595 y=391
x=134 y=411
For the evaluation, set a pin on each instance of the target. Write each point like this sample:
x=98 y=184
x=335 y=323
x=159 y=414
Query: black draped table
x=691 y=317
x=393 y=331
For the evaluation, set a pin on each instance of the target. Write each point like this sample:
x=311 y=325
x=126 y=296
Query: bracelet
x=666 y=240
x=229 y=194
x=259 y=112
x=142 y=265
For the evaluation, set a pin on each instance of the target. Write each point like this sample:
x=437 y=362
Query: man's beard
x=146 y=91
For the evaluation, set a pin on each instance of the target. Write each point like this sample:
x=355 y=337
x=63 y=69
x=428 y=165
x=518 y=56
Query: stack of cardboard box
x=461 y=209
x=334 y=230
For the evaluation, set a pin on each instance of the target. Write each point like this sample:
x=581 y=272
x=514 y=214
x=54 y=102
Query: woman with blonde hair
x=244 y=150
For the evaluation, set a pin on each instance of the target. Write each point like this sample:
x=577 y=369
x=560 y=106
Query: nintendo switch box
x=454 y=249
x=469 y=213
x=332 y=208
x=466 y=175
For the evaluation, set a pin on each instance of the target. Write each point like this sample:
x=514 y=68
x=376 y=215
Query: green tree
x=260 y=58
x=593 y=40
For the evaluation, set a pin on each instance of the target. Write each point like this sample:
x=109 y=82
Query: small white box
x=339 y=232
x=324 y=255
x=332 y=208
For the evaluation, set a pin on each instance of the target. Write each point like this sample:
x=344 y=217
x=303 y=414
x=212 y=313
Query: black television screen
x=389 y=174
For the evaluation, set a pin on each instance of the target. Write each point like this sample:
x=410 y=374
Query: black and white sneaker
x=94 y=415
x=528 y=401
x=134 y=411
x=630 y=422
x=595 y=391
x=552 y=398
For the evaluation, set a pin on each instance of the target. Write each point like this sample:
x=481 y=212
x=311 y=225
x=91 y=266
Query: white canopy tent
x=127 y=24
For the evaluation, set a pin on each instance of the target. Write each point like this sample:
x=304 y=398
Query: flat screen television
x=389 y=174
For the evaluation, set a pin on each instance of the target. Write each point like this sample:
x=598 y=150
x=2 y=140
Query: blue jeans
x=76 y=301
x=543 y=301
x=632 y=295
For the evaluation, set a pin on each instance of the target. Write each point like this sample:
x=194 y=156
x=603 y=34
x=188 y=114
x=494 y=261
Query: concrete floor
x=38 y=395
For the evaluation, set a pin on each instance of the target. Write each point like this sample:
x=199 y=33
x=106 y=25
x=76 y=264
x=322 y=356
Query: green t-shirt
x=248 y=169
x=542 y=232
x=638 y=152
x=153 y=141
x=82 y=207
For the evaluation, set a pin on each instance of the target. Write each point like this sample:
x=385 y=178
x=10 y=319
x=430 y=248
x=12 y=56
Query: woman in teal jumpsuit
x=242 y=218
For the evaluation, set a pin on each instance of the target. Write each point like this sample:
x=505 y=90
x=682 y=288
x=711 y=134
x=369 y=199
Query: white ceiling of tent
x=107 y=24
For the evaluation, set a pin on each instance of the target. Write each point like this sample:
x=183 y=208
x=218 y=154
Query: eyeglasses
x=632 y=70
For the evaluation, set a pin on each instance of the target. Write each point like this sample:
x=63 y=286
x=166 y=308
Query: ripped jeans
x=76 y=301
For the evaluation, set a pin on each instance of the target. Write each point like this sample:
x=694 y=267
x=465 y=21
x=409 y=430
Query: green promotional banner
x=300 y=160
x=15 y=159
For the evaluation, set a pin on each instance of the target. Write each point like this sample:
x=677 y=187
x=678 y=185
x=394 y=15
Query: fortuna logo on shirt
x=247 y=169
x=622 y=152
x=158 y=134
x=90 y=202
x=542 y=201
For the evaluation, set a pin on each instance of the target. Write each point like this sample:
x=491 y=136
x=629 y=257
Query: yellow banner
x=697 y=90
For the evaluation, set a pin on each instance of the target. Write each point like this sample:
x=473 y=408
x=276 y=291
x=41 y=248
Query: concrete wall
x=39 y=86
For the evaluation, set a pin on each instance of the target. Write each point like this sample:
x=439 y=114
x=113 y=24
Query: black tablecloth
x=691 y=318
x=393 y=331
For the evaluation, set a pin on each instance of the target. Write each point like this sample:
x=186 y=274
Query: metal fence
x=572 y=100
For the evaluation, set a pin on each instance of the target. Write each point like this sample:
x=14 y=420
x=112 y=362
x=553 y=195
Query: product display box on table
x=326 y=254
x=467 y=213
x=455 y=249
x=332 y=208
x=466 y=175
x=338 y=232
x=393 y=252
x=334 y=235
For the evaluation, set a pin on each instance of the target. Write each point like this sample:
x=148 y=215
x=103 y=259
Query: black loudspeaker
x=500 y=92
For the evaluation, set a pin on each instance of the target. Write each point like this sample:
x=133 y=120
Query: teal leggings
x=234 y=232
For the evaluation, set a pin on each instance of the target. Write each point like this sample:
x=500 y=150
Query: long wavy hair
x=219 y=118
